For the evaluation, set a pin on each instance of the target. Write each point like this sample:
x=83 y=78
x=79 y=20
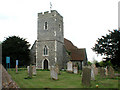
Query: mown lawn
x=66 y=80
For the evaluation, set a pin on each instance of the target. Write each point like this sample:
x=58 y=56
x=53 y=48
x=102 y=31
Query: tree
x=17 y=49
x=89 y=63
x=109 y=46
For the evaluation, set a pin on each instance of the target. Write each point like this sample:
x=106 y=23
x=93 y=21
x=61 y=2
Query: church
x=51 y=47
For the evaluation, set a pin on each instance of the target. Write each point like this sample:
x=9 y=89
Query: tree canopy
x=17 y=49
x=109 y=46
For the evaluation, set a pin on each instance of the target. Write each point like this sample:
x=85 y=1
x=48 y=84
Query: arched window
x=46 y=26
x=45 y=52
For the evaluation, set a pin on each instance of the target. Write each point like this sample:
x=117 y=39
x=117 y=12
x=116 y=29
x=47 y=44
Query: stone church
x=51 y=47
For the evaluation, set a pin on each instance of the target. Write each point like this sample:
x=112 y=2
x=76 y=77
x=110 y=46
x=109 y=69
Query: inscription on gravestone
x=86 y=77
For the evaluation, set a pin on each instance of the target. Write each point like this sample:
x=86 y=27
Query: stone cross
x=86 y=76
x=53 y=73
x=69 y=66
x=75 y=70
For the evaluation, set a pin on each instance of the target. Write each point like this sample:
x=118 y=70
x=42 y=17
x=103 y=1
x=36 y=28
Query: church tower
x=50 y=40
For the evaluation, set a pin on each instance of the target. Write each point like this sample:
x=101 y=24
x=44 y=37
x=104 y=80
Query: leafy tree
x=17 y=49
x=109 y=46
x=89 y=63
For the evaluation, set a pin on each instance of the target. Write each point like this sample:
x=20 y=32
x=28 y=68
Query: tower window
x=45 y=52
x=45 y=26
x=59 y=27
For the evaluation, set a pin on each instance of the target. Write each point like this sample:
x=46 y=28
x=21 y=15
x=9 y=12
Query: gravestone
x=53 y=73
x=7 y=81
x=86 y=76
x=69 y=67
x=57 y=69
x=34 y=69
x=96 y=71
x=106 y=71
x=102 y=73
x=0 y=76
x=75 y=70
x=92 y=73
x=30 y=71
x=111 y=72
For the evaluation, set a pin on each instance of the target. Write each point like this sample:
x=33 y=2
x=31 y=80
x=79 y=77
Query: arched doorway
x=45 y=64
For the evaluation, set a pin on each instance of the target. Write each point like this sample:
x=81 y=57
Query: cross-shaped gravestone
x=86 y=76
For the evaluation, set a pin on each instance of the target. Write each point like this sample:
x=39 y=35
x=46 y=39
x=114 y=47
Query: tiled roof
x=75 y=53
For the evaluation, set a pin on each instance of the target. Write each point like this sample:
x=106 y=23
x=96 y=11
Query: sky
x=84 y=20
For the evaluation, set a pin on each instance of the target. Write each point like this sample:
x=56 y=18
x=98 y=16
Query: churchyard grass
x=66 y=80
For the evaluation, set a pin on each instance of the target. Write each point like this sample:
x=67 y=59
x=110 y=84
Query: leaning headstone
x=102 y=73
x=7 y=82
x=69 y=67
x=86 y=77
x=111 y=72
x=30 y=71
x=53 y=73
x=92 y=74
x=75 y=70
x=34 y=69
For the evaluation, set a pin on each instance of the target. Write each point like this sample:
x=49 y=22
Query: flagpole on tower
x=50 y=6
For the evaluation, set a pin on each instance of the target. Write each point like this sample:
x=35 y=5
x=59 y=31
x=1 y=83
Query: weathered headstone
x=7 y=81
x=53 y=73
x=30 y=71
x=34 y=69
x=69 y=67
x=86 y=77
x=102 y=73
x=111 y=72
x=57 y=68
x=106 y=71
x=92 y=73
x=96 y=71
x=75 y=70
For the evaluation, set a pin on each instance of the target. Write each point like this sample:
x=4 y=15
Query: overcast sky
x=84 y=20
